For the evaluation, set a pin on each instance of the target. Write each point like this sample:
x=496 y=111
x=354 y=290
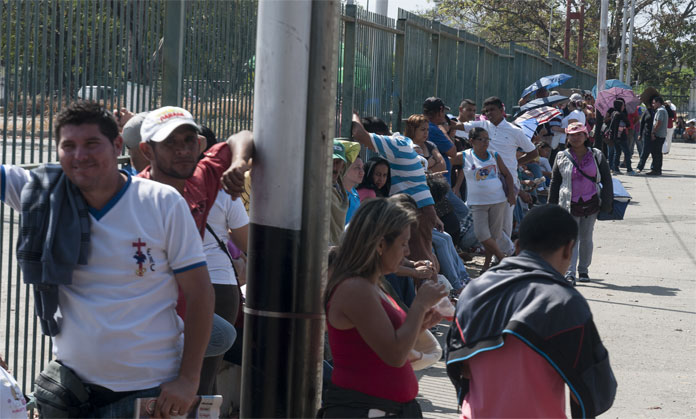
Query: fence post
x=435 y=52
x=481 y=73
x=348 y=82
x=173 y=52
x=399 y=70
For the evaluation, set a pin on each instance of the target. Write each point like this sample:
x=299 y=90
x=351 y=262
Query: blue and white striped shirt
x=407 y=174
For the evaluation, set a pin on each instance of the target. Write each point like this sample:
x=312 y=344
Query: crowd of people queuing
x=472 y=179
x=404 y=216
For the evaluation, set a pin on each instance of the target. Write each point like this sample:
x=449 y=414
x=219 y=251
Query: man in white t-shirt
x=505 y=140
x=116 y=320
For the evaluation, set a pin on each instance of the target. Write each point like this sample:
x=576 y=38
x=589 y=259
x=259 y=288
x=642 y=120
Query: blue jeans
x=459 y=207
x=403 y=285
x=125 y=407
x=222 y=337
x=451 y=264
x=620 y=146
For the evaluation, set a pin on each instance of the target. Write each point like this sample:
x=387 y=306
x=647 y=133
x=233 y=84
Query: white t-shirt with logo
x=484 y=187
x=505 y=140
x=118 y=324
x=225 y=213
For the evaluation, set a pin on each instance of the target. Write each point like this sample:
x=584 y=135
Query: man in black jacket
x=521 y=332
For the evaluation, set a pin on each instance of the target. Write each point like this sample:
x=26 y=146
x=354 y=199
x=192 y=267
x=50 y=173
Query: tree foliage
x=664 y=38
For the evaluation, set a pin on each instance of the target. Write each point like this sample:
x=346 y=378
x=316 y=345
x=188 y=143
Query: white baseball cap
x=163 y=121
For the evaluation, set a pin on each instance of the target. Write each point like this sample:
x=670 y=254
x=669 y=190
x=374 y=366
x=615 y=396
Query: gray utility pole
x=381 y=7
x=173 y=53
x=624 y=18
x=630 y=43
x=602 y=55
x=295 y=83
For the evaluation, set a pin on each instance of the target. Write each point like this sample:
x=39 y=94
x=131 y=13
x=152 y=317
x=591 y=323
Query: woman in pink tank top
x=370 y=337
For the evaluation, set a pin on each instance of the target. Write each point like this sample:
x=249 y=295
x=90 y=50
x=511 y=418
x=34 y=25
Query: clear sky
x=394 y=5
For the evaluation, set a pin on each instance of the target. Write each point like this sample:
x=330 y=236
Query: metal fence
x=53 y=52
x=413 y=58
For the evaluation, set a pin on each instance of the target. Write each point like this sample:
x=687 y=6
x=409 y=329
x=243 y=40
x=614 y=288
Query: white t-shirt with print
x=118 y=324
x=505 y=140
x=225 y=213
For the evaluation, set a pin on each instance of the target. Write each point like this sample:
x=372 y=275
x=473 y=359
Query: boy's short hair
x=546 y=229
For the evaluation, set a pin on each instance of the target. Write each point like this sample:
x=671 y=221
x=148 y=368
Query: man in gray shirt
x=659 y=132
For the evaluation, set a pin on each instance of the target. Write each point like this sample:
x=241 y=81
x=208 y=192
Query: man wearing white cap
x=171 y=141
x=108 y=254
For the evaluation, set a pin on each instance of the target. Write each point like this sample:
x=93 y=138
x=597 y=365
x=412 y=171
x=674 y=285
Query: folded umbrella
x=606 y=98
x=537 y=103
x=546 y=82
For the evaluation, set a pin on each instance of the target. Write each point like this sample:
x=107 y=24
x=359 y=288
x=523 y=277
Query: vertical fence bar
x=348 y=82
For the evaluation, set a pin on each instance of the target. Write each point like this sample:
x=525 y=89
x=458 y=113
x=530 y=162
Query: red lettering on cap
x=169 y=115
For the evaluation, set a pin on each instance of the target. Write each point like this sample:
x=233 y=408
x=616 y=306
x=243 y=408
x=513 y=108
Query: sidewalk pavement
x=642 y=295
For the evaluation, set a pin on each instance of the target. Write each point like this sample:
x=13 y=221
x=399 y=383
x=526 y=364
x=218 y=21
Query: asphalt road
x=642 y=295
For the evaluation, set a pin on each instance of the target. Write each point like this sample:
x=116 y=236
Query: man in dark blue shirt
x=434 y=109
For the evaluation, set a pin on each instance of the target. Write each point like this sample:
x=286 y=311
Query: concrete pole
x=630 y=43
x=381 y=7
x=173 y=53
x=603 y=48
x=623 y=40
x=295 y=85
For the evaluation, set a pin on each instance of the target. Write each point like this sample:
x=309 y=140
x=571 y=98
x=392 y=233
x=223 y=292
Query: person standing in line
x=658 y=135
x=124 y=249
x=577 y=175
x=487 y=196
x=646 y=125
x=505 y=139
x=171 y=141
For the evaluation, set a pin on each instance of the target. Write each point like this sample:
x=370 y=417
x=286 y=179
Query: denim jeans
x=583 y=245
x=125 y=407
x=404 y=287
x=459 y=207
x=451 y=264
x=620 y=146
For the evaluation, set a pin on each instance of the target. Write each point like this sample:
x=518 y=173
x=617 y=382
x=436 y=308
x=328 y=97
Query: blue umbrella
x=546 y=82
x=609 y=84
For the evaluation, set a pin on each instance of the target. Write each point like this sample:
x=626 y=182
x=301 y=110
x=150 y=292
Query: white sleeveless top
x=482 y=183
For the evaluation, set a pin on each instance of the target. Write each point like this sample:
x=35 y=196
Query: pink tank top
x=357 y=367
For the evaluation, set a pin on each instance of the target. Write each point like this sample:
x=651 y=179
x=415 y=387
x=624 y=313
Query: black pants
x=226 y=306
x=343 y=403
x=652 y=148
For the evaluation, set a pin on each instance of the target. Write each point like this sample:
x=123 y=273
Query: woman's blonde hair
x=412 y=123
x=375 y=219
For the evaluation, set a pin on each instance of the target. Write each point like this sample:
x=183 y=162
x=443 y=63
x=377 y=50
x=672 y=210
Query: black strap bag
x=60 y=393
